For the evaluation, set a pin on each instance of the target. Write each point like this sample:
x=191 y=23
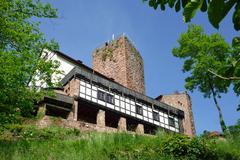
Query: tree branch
x=222 y=77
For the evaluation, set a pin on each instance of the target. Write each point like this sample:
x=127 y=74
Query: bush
x=229 y=149
x=8 y=119
x=183 y=147
x=235 y=130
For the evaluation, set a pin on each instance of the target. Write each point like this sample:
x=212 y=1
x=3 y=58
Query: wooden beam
x=59 y=107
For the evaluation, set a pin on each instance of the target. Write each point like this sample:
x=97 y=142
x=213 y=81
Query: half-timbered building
x=93 y=97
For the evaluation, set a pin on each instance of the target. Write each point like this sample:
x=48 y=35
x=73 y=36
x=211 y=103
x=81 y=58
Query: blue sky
x=84 y=25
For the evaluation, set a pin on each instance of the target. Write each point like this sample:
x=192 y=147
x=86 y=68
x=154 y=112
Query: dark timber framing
x=114 y=86
x=85 y=73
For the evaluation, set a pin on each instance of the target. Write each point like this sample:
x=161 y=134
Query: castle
x=111 y=95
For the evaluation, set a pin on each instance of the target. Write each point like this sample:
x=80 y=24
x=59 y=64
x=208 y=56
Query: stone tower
x=181 y=101
x=121 y=61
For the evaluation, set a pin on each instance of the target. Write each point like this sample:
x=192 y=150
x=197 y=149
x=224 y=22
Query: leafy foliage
x=191 y=8
x=234 y=67
x=21 y=45
x=182 y=146
x=216 y=9
x=202 y=52
x=235 y=130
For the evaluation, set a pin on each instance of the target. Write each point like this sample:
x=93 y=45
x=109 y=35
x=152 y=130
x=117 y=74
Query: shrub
x=228 y=150
x=235 y=130
x=8 y=119
x=183 y=147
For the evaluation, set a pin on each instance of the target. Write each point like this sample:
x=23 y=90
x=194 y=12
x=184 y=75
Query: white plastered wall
x=65 y=66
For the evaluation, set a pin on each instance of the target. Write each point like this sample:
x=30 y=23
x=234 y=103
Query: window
x=156 y=116
x=139 y=110
x=101 y=95
x=105 y=97
x=171 y=122
x=109 y=98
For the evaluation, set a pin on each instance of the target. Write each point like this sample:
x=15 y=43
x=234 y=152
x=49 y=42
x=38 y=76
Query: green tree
x=202 y=52
x=231 y=71
x=21 y=46
x=216 y=9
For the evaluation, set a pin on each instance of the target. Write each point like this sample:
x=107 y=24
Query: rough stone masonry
x=181 y=101
x=121 y=61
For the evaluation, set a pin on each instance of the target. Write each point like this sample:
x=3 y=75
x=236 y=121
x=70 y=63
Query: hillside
x=26 y=142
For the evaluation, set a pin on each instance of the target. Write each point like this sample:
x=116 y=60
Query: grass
x=26 y=142
x=85 y=146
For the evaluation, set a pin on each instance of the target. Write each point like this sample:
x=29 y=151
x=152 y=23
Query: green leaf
x=236 y=41
x=162 y=7
x=215 y=10
x=185 y=2
x=171 y=3
x=155 y=6
x=218 y=9
x=191 y=9
x=152 y=3
x=178 y=6
x=204 y=6
x=236 y=17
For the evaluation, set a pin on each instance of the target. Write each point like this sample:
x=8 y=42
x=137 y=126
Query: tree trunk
x=222 y=123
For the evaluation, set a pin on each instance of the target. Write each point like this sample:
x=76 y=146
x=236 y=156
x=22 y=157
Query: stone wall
x=72 y=88
x=47 y=121
x=182 y=101
x=120 y=61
